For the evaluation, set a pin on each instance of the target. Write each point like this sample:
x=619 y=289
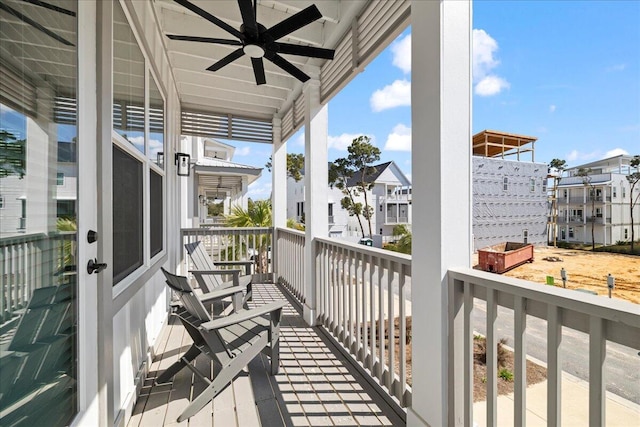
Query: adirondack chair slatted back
x=40 y=348
x=202 y=261
x=193 y=314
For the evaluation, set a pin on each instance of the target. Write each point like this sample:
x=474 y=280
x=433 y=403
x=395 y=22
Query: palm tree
x=257 y=214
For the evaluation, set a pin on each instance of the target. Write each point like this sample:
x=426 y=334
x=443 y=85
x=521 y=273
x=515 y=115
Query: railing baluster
x=372 y=323
x=554 y=366
x=350 y=266
x=468 y=353
x=391 y=328
x=520 y=362
x=401 y=385
x=366 y=302
x=492 y=359
x=358 y=303
x=597 y=356
x=381 y=276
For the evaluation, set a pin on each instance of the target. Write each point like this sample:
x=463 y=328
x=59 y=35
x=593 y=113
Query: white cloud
x=343 y=141
x=299 y=141
x=259 y=190
x=616 y=67
x=552 y=108
x=484 y=61
x=399 y=139
x=615 y=152
x=577 y=155
x=491 y=85
x=242 y=151
x=401 y=50
x=397 y=94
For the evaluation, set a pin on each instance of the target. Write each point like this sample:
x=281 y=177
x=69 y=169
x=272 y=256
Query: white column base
x=414 y=420
x=310 y=315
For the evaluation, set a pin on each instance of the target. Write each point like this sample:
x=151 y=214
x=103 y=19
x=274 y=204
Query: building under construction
x=509 y=190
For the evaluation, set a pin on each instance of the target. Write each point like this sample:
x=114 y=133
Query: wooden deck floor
x=316 y=385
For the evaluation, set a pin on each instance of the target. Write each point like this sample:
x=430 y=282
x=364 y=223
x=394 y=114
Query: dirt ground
x=585 y=270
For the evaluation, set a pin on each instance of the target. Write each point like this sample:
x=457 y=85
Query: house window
x=60 y=178
x=128 y=221
x=544 y=185
x=1 y=202
x=505 y=183
x=532 y=185
x=155 y=213
x=624 y=192
x=598 y=212
x=615 y=192
x=626 y=234
x=564 y=193
x=525 y=236
x=571 y=232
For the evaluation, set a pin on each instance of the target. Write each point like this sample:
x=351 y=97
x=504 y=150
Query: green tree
x=12 y=155
x=559 y=165
x=291 y=223
x=351 y=175
x=257 y=214
x=585 y=173
x=215 y=209
x=634 y=179
x=295 y=165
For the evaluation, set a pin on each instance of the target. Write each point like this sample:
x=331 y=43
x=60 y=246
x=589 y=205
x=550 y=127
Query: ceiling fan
x=257 y=41
x=37 y=25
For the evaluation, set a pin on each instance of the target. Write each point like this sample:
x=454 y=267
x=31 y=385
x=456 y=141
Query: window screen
x=127 y=214
x=156 y=212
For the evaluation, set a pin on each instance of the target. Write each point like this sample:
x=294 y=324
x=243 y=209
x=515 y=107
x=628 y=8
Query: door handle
x=93 y=266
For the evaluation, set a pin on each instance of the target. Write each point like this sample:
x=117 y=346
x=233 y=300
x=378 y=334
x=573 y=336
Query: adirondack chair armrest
x=247 y=264
x=199 y=273
x=221 y=293
x=232 y=319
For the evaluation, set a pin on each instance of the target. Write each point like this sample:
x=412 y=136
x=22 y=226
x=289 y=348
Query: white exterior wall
x=615 y=211
x=502 y=215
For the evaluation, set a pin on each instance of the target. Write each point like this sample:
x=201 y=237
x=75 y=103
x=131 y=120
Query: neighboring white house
x=390 y=199
x=216 y=178
x=610 y=210
x=509 y=196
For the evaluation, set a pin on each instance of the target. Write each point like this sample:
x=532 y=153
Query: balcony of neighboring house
x=599 y=219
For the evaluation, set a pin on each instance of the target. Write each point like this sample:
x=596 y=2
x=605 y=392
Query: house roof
x=379 y=169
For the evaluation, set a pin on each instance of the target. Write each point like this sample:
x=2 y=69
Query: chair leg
x=274 y=340
x=222 y=380
x=172 y=370
x=249 y=296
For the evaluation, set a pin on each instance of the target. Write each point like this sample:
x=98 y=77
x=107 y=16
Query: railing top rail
x=25 y=238
x=227 y=230
x=592 y=305
x=291 y=231
x=367 y=250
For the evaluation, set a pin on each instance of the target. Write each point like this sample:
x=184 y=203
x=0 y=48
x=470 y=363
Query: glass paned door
x=38 y=219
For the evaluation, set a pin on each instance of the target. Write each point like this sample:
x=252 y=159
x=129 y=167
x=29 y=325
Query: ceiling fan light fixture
x=253 y=50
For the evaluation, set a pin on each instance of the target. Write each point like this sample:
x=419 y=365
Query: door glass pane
x=38 y=221
x=128 y=81
x=156 y=212
x=156 y=124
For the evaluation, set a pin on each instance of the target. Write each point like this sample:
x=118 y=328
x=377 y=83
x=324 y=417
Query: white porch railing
x=29 y=262
x=603 y=320
x=289 y=264
x=363 y=299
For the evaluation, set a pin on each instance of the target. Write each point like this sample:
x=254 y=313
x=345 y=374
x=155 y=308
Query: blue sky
x=566 y=72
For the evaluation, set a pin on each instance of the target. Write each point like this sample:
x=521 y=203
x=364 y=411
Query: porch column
x=441 y=160
x=244 y=186
x=316 y=178
x=279 y=176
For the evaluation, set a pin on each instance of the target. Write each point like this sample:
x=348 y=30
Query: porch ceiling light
x=183 y=161
x=253 y=50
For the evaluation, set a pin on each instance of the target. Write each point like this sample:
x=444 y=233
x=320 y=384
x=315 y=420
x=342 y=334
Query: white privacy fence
x=601 y=319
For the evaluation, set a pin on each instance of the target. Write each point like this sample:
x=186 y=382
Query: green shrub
x=505 y=374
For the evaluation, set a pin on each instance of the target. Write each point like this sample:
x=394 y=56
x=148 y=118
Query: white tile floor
x=316 y=385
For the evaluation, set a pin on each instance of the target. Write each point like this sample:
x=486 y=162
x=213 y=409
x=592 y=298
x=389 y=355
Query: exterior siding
x=501 y=214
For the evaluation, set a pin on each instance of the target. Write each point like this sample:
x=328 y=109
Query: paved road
x=622 y=367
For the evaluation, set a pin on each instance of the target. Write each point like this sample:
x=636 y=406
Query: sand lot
x=585 y=270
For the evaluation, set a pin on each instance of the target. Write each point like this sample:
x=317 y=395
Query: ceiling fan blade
x=288 y=67
x=248 y=17
x=313 y=52
x=227 y=60
x=204 y=40
x=51 y=7
x=34 y=24
x=209 y=17
x=258 y=70
x=295 y=22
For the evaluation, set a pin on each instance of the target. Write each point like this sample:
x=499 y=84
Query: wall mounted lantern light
x=160 y=159
x=183 y=162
